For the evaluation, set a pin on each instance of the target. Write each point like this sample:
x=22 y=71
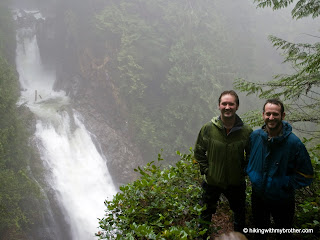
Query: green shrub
x=162 y=204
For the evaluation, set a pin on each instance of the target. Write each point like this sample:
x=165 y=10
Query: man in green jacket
x=220 y=151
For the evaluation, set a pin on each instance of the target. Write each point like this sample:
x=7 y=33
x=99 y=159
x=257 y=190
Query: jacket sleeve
x=302 y=175
x=200 y=152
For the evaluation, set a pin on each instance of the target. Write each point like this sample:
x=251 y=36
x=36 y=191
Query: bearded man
x=278 y=164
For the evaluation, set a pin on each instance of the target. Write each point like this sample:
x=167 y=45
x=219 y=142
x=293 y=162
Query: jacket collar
x=218 y=122
x=285 y=132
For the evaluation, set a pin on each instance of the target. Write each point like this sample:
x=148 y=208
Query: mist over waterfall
x=77 y=171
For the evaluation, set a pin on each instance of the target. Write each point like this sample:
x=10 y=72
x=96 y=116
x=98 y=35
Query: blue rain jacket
x=279 y=165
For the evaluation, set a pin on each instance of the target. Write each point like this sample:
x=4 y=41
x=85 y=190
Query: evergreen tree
x=300 y=89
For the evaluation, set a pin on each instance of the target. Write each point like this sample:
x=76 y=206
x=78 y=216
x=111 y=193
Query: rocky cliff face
x=84 y=77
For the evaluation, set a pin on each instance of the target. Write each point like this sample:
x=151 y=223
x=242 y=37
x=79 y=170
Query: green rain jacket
x=220 y=155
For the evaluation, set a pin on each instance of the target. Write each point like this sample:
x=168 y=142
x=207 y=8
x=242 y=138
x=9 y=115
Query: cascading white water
x=77 y=172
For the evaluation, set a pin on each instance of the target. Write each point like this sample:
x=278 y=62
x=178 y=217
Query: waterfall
x=77 y=172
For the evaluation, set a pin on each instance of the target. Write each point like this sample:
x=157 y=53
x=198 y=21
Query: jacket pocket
x=256 y=181
x=277 y=188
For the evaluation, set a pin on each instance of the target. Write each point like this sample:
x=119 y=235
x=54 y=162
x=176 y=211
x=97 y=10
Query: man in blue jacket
x=278 y=164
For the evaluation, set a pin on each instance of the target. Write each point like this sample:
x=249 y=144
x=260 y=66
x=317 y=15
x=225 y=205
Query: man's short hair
x=230 y=92
x=276 y=102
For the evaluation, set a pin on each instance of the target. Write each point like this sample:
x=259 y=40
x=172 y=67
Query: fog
x=128 y=81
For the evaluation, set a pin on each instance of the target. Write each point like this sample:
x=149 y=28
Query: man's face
x=272 y=116
x=228 y=106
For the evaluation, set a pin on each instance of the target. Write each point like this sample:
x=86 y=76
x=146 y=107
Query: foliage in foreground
x=162 y=204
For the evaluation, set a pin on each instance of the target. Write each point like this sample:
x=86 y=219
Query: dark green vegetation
x=162 y=204
x=16 y=188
